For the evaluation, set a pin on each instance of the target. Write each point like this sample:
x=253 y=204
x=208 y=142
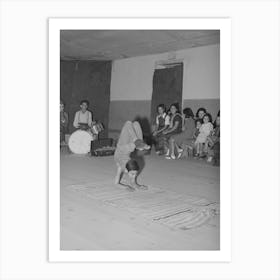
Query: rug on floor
x=177 y=211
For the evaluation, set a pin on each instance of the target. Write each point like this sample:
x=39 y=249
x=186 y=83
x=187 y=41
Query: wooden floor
x=96 y=216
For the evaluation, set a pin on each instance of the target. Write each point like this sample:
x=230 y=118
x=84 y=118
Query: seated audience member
x=178 y=141
x=162 y=123
x=204 y=131
x=198 y=124
x=175 y=126
x=212 y=144
x=200 y=113
x=83 y=118
x=63 y=122
x=189 y=145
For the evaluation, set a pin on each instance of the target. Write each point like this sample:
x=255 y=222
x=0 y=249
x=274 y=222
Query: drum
x=84 y=126
x=80 y=142
x=97 y=128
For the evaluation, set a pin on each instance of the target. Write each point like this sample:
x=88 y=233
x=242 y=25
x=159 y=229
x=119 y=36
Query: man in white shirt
x=83 y=117
x=162 y=123
x=162 y=120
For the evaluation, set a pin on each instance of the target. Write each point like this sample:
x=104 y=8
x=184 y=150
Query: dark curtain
x=86 y=80
x=167 y=88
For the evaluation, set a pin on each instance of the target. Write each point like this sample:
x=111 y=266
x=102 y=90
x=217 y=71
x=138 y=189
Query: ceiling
x=119 y=44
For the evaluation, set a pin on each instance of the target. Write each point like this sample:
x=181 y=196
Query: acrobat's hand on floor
x=126 y=187
x=139 y=187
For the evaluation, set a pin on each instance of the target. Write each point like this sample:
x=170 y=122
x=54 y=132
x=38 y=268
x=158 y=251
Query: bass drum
x=80 y=142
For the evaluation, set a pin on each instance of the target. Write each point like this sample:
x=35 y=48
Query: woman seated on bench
x=178 y=141
x=175 y=127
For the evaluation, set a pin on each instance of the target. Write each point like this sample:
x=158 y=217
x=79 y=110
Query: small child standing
x=198 y=124
x=204 y=131
x=131 y=138
x=191 y=144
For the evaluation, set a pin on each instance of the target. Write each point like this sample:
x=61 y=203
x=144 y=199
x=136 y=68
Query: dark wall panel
x=86 y=80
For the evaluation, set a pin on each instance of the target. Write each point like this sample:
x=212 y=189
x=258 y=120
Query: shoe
x=209 y=159
x=170 y=157
x=202 y=156
x=180 y=152
x=141 y=146
x=147 y=147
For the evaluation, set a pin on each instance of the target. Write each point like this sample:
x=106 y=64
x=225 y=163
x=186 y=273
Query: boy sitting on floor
x=131 y=138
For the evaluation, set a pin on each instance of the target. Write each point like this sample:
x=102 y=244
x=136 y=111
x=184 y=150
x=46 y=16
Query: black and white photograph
x=115 y=162
x=140 y=139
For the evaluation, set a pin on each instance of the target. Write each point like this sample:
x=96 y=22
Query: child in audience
x=189 y=144
x=198 y=124
x=162 y=123
x=204 y=131
x=131 y=138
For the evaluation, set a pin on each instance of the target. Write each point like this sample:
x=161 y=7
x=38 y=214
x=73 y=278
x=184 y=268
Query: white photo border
x=57 y=24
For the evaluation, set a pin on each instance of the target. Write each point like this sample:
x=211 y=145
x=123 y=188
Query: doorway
x=167 y=87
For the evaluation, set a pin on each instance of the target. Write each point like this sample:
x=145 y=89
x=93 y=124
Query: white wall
x=132 y=78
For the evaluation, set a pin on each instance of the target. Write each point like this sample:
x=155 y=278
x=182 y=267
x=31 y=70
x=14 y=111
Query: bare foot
x=141 y=146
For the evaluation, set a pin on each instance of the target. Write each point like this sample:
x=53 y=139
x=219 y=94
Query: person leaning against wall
x=63 y=122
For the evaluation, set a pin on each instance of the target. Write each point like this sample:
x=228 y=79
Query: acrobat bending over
x=131 y=138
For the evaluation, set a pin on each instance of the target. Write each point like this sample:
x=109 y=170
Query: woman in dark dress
x=177 y=141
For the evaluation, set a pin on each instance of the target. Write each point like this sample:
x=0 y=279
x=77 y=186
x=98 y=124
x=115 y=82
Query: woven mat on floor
x=169 y=208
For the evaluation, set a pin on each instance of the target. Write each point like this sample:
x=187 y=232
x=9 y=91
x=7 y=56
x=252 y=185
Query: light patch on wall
x=132 y=78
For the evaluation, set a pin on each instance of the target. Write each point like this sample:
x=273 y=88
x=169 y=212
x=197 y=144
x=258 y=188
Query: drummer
x=83 y=118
